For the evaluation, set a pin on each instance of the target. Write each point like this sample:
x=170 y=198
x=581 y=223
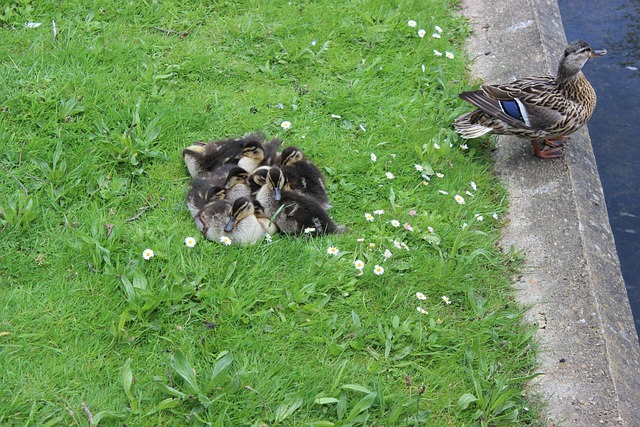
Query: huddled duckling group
x=243 y=188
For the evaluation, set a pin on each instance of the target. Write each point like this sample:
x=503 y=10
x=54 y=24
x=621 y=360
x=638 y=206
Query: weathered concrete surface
x=558 y=218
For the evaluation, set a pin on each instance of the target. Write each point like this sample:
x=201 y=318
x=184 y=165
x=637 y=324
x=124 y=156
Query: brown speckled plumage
x=539 y=108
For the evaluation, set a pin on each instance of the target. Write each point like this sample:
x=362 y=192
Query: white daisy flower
x=332 y=250
x=190 y=242
x=437 y=52
x=473 y=185
x=440 y=175
x=449 y=55
x=436 y=35
x=442 y=192
x=387 y=254
x=412 y=23
x=421 y=296
x=358 y=264
x=419 y=168
x=459 y=199
x=438 y=29
x=374 y=158
x=225 y=240
x=379 y=212
x=389 y=175
x=422 y=310
x=378 y=270
x=421 y=32
x=446 y=299
x=368 y=217
x=395 y=223
x=147 y=254
x=285 y=125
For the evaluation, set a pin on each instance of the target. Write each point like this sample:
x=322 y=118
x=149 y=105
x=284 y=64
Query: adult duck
x=544 y=109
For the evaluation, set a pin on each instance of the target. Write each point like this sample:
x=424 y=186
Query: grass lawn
x=286 y=332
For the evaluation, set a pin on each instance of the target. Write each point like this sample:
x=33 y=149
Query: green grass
x=281 y=333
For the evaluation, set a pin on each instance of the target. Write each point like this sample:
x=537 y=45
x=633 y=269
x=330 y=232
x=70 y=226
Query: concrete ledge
x=589 y=347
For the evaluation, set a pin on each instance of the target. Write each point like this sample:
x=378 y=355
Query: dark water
x=615 y=125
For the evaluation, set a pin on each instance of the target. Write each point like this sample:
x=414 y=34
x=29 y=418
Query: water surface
x=615 y=125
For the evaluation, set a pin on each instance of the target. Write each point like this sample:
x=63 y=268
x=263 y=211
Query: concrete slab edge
x=590 y=351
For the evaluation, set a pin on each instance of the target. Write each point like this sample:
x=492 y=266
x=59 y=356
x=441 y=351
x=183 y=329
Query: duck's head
x=241 y=209
x=253 y=149
x=277 y=181
x=258 y=210
x=291 y=155
x=236 y=176
x=215 y=193
x=575 y=56
x=259 y=176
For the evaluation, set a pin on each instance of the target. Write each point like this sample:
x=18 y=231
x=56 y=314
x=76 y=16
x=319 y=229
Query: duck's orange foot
x=547 y=152
x=556 y=142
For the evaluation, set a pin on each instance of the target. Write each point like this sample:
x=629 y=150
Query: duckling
x=210 y=156
x=546 y=108
x=304 y=176
x=256 y=154
x=217 y=176
x=266 y=223
x=257 y=178
x=252 y=156
x=236 y=184
x=299 y=213
x=201 y=193
x=213 y=218
x=243 y=227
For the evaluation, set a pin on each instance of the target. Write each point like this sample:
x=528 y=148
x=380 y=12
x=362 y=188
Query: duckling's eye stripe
x=515 y=109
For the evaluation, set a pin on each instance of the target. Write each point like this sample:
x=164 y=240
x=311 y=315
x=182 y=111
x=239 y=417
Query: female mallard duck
x=304 y=176
x=546 y=109
x=293 y=212
x=256 y=154
x=213 y=155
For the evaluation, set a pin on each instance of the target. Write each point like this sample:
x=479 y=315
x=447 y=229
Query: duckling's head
x=575 y=56
x=215 y=193
x=236 y=176
x=253 y=149
x=291 y=155
x=258 y=210
x=242 y=208
x=277 y=181
x=259 y=176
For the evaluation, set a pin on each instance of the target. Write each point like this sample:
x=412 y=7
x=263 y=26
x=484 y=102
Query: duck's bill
x=231 y=224
x=598 y=52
